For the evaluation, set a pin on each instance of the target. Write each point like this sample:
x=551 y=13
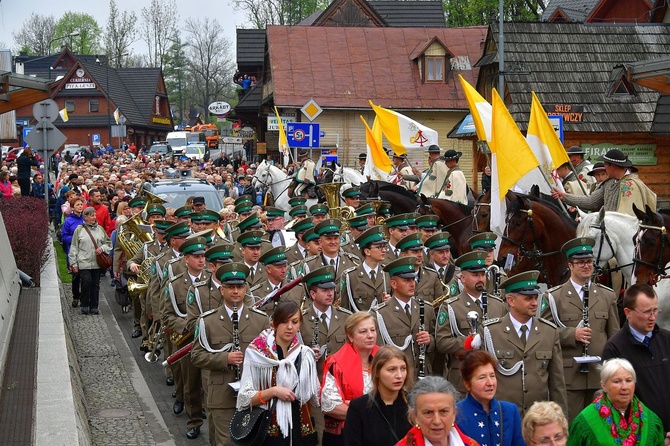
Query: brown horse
x=652 y=246
x=455 y=218
x=482 y=213
x=534 y=234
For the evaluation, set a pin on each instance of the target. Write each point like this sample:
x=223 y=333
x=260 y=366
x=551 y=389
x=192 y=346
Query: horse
x=273 y=178
x=348 y=175
x=535 y=231
x=455 y=218
x=402 y=201
x=613 y=233
x=482 y=213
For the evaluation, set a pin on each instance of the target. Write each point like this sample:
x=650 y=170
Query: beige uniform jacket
x=357 y=287
x=334 y=338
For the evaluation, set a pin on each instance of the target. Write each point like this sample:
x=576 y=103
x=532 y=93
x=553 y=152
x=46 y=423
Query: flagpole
x=560 y=202
x=581 y=186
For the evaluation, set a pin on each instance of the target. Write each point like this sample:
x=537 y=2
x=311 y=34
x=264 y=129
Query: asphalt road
x=152 y=373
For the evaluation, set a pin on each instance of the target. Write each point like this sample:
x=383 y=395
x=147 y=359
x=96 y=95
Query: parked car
x=177 y=190
x=196 y=151
x=161 y=148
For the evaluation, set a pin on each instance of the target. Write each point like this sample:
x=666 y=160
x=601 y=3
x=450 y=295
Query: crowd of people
x=359 y=333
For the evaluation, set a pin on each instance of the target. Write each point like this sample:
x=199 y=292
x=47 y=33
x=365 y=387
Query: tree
x=210 y=61
x=35 y=35
x=88 y=40
x=278 y=12
x=120 y=35
x=481 y=12
x=159 y=28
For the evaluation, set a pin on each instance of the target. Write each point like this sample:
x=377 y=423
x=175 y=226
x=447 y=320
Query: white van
x=179 y=140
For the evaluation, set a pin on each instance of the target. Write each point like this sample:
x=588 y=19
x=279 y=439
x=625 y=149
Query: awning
x=653 y=73
x=18 y=90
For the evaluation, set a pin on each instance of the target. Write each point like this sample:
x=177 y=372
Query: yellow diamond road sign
x=311 y=109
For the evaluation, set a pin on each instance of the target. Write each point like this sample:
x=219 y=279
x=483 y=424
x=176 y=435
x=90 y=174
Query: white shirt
x=579 y=289
x=367 y=269
x=328 y=314
x=230 y=311
x=328 y=259
x=252 y=269
x=194 y=279
x=517 y=326
x=404 y=306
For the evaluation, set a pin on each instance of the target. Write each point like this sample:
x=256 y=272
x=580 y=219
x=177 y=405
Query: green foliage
x=63 y=272
x=482 y=12
x=88 y=40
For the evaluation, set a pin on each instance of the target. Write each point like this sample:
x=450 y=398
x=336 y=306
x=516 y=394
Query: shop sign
x=639 y=154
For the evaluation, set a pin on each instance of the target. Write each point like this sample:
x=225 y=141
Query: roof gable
x=421 y=49
x=345 y=67
x=350 y=13
x=569 y=10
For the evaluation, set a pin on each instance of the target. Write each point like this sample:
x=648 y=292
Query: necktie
x=409 y=315
x=646 y=341
x=252 y=273
x=373 y=276
x=524 y=329
x=332 y=262
x=324 y=321
x=397 y=252
x=440 y=272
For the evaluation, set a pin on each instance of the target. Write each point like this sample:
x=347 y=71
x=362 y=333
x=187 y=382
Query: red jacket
x=104 y=220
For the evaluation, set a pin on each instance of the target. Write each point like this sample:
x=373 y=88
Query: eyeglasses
x=649 y=313
x=558 y=439
x=583 y=262
x=380 y=247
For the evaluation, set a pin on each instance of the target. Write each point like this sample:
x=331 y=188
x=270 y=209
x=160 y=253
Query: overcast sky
x=13 y=13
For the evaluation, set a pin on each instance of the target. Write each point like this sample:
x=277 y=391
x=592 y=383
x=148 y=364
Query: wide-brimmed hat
x=434 y=148
x=403 y=156
x=617 y=157
x=303 y=153
x=451 y=154
x=575 y=150
x=362 y=156
x=597 y=167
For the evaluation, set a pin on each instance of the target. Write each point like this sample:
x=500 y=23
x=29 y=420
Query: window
x=434 y=69
x=93 y=106
x=69 y=106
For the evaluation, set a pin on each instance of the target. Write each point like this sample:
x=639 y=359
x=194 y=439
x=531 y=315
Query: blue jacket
x=69 y=225
x=486 y=428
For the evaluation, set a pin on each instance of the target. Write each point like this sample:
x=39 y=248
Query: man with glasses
x=647 y=346
x=564 y=306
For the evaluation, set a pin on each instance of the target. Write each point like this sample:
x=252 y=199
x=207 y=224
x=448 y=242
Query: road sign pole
x=46 y=155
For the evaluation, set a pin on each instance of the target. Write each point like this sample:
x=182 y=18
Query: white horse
x=613 y=232
x=273 y=178
x=348 y=175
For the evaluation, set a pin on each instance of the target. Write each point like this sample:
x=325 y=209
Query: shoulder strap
x=95 y=245
x=391 y=429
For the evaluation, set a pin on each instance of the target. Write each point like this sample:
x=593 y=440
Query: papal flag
x=283 y=141
x=511 y=159
x=117 y=115
x=378 y=165
x=479 y=109
x=548 y=150
x=402 y=132
x=63 y=115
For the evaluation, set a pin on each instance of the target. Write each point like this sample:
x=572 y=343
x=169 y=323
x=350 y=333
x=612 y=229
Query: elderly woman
x=432 y=409
x=480 y=415
x=545 y=423
x=347 y=374
x=617 y=416
x=380 y=417
x=88 y=240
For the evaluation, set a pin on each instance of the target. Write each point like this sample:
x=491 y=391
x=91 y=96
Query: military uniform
x=358 y=292
x=294 y=253
x=332 y=339
x=429 y=286
x=210 y=352
x=295 y=295
x=149 y=249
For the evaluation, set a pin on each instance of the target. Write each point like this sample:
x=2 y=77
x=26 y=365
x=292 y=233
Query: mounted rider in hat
x=454 y=187
x=402 y=171
x=618 y=192
x=304 y=176
x=435 y=175
x=582 y=167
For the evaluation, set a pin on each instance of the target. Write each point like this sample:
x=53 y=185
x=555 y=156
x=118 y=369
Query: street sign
x=45 y=111
x=557 y=123
x=55 y=138
x=95 y=139
x=219 y=108
x=26 y=130
x=304 y=135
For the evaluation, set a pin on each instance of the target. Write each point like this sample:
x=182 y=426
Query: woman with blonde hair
x=545 y=423
x=346 y=374
x=379 y=418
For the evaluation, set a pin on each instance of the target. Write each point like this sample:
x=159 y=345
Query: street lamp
x=109 y=115
x=72 y=34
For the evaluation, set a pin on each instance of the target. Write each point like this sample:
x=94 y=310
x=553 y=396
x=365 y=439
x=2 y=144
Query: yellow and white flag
x=378 y=165
x=479 y=109
x=511 y=159
x=63 y=115
x=402 y=132
x=117 y=115
x=283 y=141
x=548 y=150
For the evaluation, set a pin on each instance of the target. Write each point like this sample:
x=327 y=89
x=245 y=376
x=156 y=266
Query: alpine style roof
x=572 y=10
x=250 y=46
x=579 y=64
x=409 y=14
x=343 y=67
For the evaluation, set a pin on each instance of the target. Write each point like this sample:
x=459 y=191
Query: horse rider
x=582 y=166
x=454 y=187
x=570 y=181
x=401 y=168
x=599 y=174
x=362 y=159
x=434 y=176
x=305 y=176
x=619 y=192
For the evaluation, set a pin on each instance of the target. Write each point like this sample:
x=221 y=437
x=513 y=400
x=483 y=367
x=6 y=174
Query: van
x=179 y=140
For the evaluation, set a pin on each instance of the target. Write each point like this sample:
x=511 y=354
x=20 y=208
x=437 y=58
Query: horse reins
x=659 y=268
x=267 y=185
x=598 y=268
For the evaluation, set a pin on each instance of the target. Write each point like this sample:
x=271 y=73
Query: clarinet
x=315 y=336
x=585 y=318
x=236 y=340
x=422 y=347
x=485 y=305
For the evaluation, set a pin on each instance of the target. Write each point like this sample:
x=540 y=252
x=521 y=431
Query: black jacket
x=652 y=367
x=24 y=164
x=365 y=425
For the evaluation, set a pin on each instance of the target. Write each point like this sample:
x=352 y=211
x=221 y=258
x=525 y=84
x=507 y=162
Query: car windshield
x=177 y=142
x=161 y=149
x=193 y=150
x=176 y=198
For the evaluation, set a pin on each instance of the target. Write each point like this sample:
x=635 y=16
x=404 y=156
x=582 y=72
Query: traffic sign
x=557 y=123
x=95 y=139
x=26 y=130
x=304 y=135
x=55 y=138
x=46 y=110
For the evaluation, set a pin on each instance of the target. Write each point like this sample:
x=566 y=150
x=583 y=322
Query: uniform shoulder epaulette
x=428 y=268
x=343 y=310
x=304 y=312
x=171 y=261
x=310 y=258
x=378 y=306
x=493 y=320
x=554 y=288
x=288 y=248
x=499 y=299
x=255 y=287
x=352 y=256
x=548 y=322
x=348 y=270
x=201 y=283
x=207 y=313
x=604 y=286
x=256 y=310
x=177 y=277
x=452 y=300
x=149 y=242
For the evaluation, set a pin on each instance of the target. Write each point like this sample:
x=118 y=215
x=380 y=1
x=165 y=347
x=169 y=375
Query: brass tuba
x=343 y=213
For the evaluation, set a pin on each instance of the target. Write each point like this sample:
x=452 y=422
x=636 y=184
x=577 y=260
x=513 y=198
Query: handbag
x=250 y=427
x=104 y=260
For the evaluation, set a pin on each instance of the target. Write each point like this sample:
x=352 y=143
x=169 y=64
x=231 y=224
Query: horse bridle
x=659 y=268
x=534 y=254
x=596 y=263
x=266 y=185
x=430 y=211
x=475 y=213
